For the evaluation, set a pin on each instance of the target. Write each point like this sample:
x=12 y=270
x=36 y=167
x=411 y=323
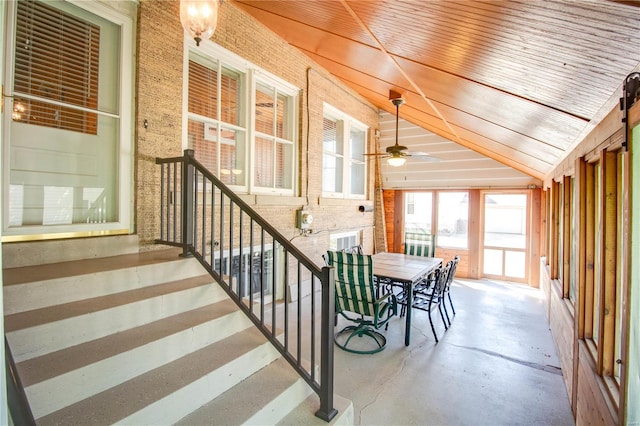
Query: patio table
x=406 y=270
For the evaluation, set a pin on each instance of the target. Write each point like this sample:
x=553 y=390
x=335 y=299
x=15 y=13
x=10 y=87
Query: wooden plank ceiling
x=518 y=81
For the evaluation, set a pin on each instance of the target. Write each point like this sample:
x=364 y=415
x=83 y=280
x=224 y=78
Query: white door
x=63 y=123
x=505 y=236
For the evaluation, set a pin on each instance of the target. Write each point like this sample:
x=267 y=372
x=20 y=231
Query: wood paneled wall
x=591 y=407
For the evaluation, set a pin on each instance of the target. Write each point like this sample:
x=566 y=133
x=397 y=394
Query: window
x=606 y=183
x=274 y=138
x=238 y=116
x=56 y=69
x=597 y=256
x=620 y=265
x=574 y=242
x=343 y=241
x=418 y=212
x=453 y=219
x=69 y=135
x=217 y=133
x=344 y=143
x=561 y=227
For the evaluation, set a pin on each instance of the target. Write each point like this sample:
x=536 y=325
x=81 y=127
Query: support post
x=327 y=411
x=187 y=203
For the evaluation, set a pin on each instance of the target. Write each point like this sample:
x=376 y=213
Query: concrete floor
x=496 y=365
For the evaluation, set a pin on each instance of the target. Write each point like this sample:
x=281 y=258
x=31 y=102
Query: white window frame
x=123 y=16
x=347 y=123
x=252 y=75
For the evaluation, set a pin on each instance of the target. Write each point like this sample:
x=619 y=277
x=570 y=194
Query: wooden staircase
x=146 y=338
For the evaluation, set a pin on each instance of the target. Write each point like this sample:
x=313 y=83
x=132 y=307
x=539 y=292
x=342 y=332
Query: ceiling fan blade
x=422 y=156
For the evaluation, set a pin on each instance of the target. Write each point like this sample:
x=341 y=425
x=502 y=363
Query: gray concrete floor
x=496 y=365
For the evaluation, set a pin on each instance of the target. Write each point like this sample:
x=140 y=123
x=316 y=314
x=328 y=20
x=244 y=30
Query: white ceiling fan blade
x=422 y=156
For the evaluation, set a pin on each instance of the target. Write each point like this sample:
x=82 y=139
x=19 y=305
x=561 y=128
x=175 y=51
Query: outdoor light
x=199 y=18
x=396 y=161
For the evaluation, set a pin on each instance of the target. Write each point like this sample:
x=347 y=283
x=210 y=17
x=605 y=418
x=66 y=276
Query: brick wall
x=159 y=100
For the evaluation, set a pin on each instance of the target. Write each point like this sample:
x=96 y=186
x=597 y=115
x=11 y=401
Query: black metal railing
x=271 y=280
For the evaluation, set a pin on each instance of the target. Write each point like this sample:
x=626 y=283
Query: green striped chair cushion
x=353 y=282
x=417 y=244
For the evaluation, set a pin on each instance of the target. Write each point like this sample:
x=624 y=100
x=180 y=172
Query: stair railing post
x=187 y=202
x=327 y=410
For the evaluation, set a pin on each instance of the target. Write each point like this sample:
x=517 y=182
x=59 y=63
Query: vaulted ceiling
x=519 y=81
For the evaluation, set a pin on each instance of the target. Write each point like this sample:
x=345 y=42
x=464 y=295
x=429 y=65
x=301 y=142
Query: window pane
x=330 y=136
x=515 y=264
x=232 y=154
x=274 y=156
x=203 y=87
x=453 y=219
x=283 y=127
x=357 y=178
x=284 y=156
x=561 y=224
x=617 y=351
x=505 y=223
x=332 y=163
x=265 y=155
x=56 y=59
x=231 y=91
x=418 y=212
x=574 y=243
x=203 y=139
x=597 y=281
x=264 y=110
x=493 y=262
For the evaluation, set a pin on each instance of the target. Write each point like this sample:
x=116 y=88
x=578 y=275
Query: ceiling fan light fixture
x=396 y=161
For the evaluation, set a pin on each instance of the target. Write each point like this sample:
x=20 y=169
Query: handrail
x=19 y=409
x=255 y=264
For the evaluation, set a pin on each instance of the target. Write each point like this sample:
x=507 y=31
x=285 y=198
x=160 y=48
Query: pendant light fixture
x=199 y=18
x=397 y=158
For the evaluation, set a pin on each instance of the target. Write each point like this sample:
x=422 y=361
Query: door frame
x=527 y=249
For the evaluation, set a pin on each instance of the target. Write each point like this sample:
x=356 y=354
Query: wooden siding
x=458 y=167
x=592 y=408
x=561 y=323
x=388 y=198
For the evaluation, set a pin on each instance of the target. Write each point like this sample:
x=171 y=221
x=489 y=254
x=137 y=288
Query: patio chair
x=429 y=295
x=418 y=244
x=356 y=302
x=447 y=288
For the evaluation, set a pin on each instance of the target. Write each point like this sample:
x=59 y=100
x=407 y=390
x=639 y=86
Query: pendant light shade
x=199 y=18
x=396 y=161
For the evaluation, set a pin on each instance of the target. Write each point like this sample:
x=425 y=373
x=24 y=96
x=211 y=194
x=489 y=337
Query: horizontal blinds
x=203 y=90
x=56 y=59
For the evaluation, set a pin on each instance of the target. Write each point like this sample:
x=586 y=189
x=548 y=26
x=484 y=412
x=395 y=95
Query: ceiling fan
x=396 y=154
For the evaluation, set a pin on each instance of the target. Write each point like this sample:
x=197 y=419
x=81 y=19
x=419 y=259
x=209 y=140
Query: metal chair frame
x=447 y=288
x=429 y=295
